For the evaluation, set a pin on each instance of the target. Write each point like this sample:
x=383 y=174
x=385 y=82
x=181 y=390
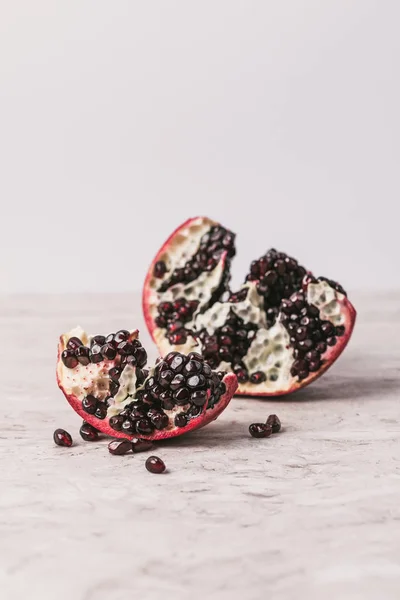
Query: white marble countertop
x=313 y=512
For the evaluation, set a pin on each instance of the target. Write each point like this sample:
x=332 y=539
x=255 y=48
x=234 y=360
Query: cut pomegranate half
x=105 y=381
x=281 y=330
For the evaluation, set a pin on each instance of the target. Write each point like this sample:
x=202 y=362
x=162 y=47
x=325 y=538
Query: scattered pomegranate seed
x=62 y=438
x=274 y=422
x=119 y=447
x=155 y=465
x=260 y=430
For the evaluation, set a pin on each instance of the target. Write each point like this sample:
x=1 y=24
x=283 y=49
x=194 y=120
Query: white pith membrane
x=93 y=379
x=184 y=245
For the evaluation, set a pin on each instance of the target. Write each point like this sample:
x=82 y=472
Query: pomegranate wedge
x=281 y=330
x=105 y=381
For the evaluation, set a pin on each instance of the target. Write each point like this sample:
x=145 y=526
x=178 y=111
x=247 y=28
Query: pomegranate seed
x=119 y=447
x=160 y=268
x=260 y=430
x=69 y=359
x=155 y=465
x=180 y=420
x=62 y=438
x=83 y=355
x=88 y=432
x=258 y=377
x=274 y=422
x=74 y=343
x=178 y=338
x=139 y=445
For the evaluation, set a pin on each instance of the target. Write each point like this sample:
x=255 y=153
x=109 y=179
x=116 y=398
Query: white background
x=120 y=119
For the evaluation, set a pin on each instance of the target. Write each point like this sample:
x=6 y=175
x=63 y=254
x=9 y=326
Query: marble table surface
x=313 y=512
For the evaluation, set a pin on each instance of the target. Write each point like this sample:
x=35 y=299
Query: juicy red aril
x=274 y=422
x=180 y=420
x=165 y=307
x=69 y=359
x=62 y=438
x=139 y=411
x=303 y=374
x=260 y=430
x=166 y=402
x=258 y=377
x=160 y=268
x=160 y=420
x=99 y=340
x=178 y=338
x=88 y=432
x=139 y=445
x=89 y=404
x=125 y=348
x=155 y=465
x=114 y=373
x=119 y=447
x=74 y=343
x=121 y=336
x=165 y=378
x=161 y=322
x=113 y=387
x=95 y=354
x=144 y=426
x=101 y=411
x=199 y=398
x=128 y=427
x=242 y=375
x=195 y=381
x=301 y=333
x=327 y=328
x=108 y=351
x=181 y=396
x=193 y=366
x=83 y=355
x=141 y=356
x=177 y=382
x=314 y=365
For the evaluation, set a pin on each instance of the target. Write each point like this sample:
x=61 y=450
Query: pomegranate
x=280 y=331
x=105 y=380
